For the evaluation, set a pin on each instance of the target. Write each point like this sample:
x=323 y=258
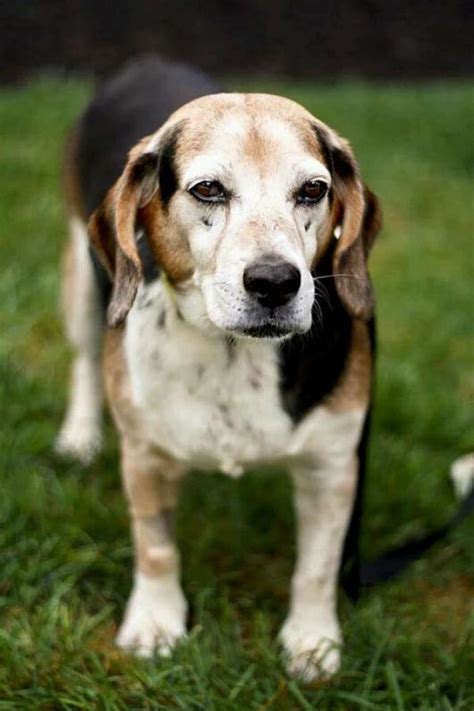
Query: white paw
x=80 y=439
x=155 y=618
x=312 y=649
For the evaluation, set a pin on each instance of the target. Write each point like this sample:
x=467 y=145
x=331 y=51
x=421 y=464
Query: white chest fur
x=205 y=401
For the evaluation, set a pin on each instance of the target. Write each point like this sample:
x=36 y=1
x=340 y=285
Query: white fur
x=324 y=494
x=199 y=404
x=80 y=434
x=196 y=393
x=262 y=217
x=213 y=404
x=155 y=618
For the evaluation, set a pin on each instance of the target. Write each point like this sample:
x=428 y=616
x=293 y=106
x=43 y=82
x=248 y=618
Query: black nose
x=272 y=283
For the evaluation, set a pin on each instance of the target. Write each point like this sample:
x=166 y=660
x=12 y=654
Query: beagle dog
x=227 y=288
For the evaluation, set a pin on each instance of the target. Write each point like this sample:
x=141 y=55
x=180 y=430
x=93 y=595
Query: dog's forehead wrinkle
x=263 y=130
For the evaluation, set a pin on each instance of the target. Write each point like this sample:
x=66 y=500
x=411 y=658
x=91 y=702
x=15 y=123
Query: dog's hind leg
x=80 y=434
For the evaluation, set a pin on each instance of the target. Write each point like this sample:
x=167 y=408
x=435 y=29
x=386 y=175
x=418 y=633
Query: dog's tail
x=393 y=562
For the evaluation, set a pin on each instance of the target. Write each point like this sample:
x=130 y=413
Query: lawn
x=65 y=554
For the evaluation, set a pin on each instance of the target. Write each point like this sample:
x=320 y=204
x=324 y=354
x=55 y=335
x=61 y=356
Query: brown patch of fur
x=150 y=478
x=170 y=250
x=326 y=235
x=353 y=389
x=353 y=285
x=117 y=386
x=101 y=235
x=256 y=148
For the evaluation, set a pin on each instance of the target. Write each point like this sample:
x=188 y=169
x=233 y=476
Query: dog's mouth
x=271 y=327
x=267 y=330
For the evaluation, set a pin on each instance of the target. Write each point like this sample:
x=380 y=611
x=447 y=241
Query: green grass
x=65 y=567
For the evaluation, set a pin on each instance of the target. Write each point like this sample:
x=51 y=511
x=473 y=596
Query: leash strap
x=392 y=563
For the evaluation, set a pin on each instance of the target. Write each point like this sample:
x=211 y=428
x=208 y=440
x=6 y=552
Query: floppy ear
x=112 y=229
x=361 y=221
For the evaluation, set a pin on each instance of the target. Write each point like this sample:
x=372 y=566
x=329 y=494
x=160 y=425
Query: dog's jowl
x=217 y=259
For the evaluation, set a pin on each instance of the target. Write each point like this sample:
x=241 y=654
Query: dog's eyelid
x=316 y=179
x=305 y=178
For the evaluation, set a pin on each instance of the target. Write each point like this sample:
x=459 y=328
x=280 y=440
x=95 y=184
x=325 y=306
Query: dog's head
x=239 y=196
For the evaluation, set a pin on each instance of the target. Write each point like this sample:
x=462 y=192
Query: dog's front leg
x=155 y=617
x=323 y=502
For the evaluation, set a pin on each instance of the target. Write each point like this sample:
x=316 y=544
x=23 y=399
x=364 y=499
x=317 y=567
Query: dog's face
x=239 y=197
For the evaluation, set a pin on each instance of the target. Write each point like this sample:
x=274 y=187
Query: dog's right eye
x=208 y=191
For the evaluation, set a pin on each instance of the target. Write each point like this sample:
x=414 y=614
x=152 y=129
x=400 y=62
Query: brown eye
x=312 y=192
x=208 y=191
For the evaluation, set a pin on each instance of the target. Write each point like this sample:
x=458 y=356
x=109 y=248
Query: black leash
x=392 y=563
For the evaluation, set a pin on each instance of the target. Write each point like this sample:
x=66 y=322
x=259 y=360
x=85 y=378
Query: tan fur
x=200 y=118
x=171 y=251
x=256 y=148
x=151 y=480
x=353 y=389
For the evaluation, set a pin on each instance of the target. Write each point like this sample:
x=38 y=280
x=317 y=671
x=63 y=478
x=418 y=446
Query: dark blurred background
x=396 y=40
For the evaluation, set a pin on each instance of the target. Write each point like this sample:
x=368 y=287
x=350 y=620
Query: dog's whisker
x=332 y=276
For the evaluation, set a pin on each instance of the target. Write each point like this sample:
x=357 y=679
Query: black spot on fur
x=324 y=146
x=103 y=280
x=337 y=161
x=151 y=271
x=255 y=383
x=343 y=164
x=207 y=221
x=145 y=165
x=307 y=225
x=161 y=321
x=226 y=418
x=230 y=349
x=167 y=169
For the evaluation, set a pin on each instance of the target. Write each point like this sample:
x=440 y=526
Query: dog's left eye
x=312 y=192
x=208 y=191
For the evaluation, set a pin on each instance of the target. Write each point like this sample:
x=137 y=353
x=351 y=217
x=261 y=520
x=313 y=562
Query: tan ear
x=361 y=221
x=112 y=230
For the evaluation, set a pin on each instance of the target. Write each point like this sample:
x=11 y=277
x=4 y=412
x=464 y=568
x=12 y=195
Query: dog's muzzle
x=271 y=285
